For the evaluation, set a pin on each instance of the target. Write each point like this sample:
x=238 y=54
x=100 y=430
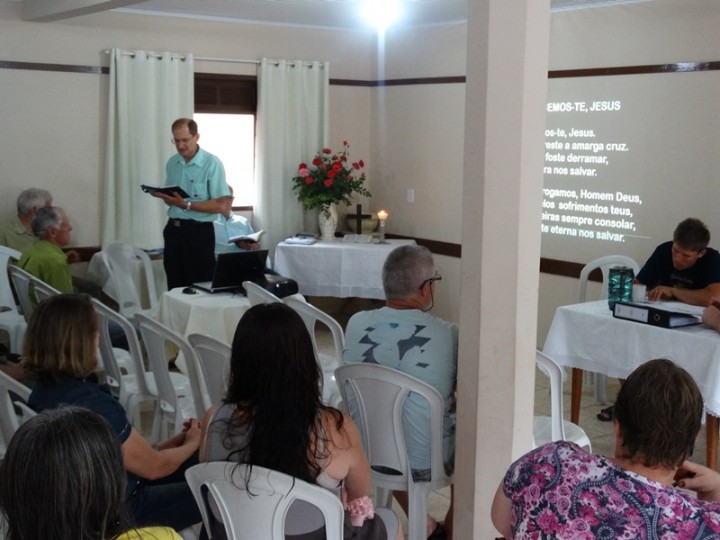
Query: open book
x=169 y=190
x=252 y=238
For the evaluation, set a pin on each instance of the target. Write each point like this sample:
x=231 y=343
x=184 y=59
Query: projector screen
x=627 y=157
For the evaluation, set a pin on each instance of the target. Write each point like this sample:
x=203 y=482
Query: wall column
x=507 y=61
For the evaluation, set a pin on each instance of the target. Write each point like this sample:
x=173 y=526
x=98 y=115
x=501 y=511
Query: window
x=231 y=137
x=225 y=107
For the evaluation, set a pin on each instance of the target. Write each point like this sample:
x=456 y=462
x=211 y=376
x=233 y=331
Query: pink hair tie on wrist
x=360 y=509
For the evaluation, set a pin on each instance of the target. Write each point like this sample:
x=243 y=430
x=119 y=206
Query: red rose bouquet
x=330 y=178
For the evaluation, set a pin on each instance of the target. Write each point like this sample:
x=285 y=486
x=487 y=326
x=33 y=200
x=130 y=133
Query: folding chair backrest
x=214 y=360
x=379 y=393
x=258 y=511
x=555 y=427
x=42 y=290
x=12 y=392
x=7 y=299
x=554 y=372
x=329 y=361
x=257 y=295
x=107 y=355
x=121 y=259
x=155 y=336
x=604 y=264
x=21 y=280
x=375 y=396
x=11 y=320
x=311 y=315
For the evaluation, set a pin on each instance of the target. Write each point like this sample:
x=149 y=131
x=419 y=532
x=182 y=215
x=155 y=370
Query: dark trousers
x=167 y=501
x=189 y=254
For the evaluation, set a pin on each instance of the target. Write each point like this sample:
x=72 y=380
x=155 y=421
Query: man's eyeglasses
x=175 y=142
x=436 y=277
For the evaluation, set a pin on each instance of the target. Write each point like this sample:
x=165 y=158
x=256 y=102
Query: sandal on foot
x=439 y=533
x=606 y=415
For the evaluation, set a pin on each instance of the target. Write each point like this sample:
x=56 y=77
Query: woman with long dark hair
x=273 y=416
x=62 y=479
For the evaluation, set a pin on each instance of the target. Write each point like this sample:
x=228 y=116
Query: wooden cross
x=359 y=216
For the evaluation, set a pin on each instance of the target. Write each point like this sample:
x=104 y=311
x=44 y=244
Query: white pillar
x=507 y=60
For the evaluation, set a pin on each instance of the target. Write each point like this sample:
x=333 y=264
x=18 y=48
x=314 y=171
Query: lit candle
x=382 y=215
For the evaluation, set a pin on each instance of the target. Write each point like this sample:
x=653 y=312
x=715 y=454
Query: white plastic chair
x=135 y=385
x=554 y=427
x=10 y=404
x=11 y=320
x=41 y=290
x=174 y=406
x=329 y=361
x=120 y=259
x=604 y=264
x=21 y=280
x=214 y=359
x=379 y=393
x=258 y=512
x=257 y=295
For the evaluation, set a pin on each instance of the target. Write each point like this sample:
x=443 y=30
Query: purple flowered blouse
x=560 y=491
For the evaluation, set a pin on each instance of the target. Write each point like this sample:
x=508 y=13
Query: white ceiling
x=321 y=13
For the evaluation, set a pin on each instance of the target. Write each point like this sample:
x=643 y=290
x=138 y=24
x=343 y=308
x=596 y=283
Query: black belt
x=188 y=223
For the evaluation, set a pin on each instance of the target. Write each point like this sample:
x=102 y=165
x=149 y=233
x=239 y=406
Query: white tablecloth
x=336 y=268
x=588 y=337
x=215 y=315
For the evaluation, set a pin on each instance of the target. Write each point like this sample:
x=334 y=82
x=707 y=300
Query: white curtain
x=148 y=91
x=292 y=127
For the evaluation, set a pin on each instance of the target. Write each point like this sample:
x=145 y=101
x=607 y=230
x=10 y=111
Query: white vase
x=327 y=219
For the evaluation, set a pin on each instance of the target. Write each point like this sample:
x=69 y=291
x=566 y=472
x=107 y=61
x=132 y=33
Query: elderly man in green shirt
x=45 y=259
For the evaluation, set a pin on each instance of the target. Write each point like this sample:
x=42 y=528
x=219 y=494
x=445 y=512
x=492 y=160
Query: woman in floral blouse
x=560 y=491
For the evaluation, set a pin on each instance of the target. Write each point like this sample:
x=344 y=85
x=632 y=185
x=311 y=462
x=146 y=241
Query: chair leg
x=383 y=497
x=188 y=534
x=417 y=514
x=16 y=340
x=600 y=388
x=158 y=421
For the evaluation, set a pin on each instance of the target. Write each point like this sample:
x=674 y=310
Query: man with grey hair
x=17 y=233
x=403 y=336
x=45 y=259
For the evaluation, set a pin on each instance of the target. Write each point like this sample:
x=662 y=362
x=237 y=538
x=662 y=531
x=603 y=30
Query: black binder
x=647 y=314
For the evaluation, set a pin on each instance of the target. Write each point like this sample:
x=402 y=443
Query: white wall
x=657 y=32
x=418 y=144
x=55 y=123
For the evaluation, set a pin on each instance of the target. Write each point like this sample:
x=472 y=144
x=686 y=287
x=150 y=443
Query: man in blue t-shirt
x=403 y=336
x=685 y=269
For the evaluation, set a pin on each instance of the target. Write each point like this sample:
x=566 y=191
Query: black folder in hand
x=169 y=190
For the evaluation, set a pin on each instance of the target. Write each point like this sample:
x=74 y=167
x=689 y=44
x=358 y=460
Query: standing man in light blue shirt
x=189 y=255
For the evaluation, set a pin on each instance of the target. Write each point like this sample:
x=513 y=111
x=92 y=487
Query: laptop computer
x=231 y=269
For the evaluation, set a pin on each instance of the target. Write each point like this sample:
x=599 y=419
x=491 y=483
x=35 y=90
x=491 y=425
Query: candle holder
x=382 y=216
x=382 y=234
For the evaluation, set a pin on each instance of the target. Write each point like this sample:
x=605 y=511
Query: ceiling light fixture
x=380 y=13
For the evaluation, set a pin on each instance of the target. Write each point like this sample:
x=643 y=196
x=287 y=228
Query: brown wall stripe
x=547 y=266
